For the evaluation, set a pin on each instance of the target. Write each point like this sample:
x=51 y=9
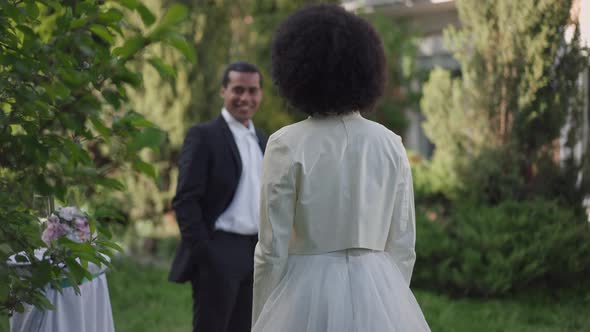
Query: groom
x=217 y=206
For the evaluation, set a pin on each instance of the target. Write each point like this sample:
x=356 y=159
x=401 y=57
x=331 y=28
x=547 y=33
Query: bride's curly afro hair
x=326 y=60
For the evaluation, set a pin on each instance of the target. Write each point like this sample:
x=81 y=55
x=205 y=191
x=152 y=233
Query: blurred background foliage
x=222 y=32
x=501 y=202
x=498 y=126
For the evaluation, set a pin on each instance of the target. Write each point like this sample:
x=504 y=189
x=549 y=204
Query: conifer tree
x=497 y=127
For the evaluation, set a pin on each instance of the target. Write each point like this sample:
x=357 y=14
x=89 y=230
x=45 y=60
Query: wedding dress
x=337 y=232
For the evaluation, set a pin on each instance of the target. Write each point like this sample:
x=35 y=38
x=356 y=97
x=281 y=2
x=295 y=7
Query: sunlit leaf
x=130 y=47
x=166 y=71
x=110 y=183
x=183 y=46
x=174 y=15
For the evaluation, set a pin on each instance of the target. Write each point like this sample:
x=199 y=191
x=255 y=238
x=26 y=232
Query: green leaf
x=110 y=183
x=102 y=129
x=147 y=16
x=166 y=71
x=78 y=23
x=87 y=8
x=60 y=192
x=111 y=16
x=106 y=213
x=111 y=244
x=137 y=120
x=21 y=259
x=148 y=138
x=19 y=307
x=4 y=289
x=41 y=275
x=175 y=14
x=76 y=153
x=26 y=30
x=57 y=91
x=103 y=33
x=42 y=186
x=130 y=47
x=144 y=168
x=142 y=122
x=126 y=76
x=183 y=46
x=5 y=248
x=76 y=269
x=32 y=9
x=130 y=4
x=112 y=96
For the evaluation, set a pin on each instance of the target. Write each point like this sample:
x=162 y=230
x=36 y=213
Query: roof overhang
x=400 y=7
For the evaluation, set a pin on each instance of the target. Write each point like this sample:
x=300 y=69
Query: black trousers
x=222 y=292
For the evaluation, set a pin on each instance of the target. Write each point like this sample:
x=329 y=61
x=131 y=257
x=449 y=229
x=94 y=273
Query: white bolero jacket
x=328 y=184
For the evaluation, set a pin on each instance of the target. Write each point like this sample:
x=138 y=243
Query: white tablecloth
x=89 y=311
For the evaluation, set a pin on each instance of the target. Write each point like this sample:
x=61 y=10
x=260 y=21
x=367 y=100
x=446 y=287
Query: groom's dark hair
x=241 y=67
x=327 y=60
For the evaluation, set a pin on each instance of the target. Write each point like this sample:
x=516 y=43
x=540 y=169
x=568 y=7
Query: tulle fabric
x=354 y=290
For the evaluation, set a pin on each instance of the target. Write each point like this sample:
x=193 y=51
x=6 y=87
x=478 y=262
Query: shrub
x=429 y=188
x=495 y=250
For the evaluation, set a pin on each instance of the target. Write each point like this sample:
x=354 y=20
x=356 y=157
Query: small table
x=89 y=311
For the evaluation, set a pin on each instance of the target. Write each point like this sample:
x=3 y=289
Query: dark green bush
x=501 y=249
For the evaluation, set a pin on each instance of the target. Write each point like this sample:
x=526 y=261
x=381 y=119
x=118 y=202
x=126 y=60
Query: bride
x=337 y=229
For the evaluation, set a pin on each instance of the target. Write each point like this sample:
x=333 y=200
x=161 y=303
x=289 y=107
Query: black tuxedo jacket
x=209 y=170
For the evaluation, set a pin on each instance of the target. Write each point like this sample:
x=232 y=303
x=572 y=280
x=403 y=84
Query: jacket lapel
x=230 y=141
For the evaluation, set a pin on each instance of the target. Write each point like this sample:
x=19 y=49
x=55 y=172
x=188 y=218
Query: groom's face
x=242 y=95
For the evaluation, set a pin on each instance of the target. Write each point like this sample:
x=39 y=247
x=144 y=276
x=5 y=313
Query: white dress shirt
x=329 y=184
x=243 y=213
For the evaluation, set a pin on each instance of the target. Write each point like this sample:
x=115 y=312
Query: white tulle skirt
x=354 y=290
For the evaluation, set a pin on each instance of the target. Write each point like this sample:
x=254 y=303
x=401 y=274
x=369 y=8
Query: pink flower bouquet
x=69 y=222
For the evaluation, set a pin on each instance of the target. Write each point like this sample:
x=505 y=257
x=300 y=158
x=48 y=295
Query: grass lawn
x=143 y=300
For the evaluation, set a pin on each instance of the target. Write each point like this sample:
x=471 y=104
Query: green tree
x=400 y=43
x=65 y=129
x=497 y=126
